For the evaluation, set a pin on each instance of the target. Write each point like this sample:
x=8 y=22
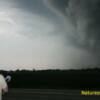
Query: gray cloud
x=84 y=17
x=57 y=5
x=58 y=33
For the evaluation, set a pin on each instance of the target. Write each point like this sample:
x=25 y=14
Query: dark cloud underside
x=84 y=16
x=54 y=33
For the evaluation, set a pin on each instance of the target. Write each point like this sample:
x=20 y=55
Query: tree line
x=55 y=79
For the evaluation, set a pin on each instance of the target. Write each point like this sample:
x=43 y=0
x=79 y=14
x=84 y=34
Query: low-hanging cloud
x=49 y=33
x=84 y=16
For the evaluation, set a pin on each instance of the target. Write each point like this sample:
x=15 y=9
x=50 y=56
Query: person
x=8 y=78
x=3 y=86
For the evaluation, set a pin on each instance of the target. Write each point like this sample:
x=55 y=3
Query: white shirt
x=3 y=86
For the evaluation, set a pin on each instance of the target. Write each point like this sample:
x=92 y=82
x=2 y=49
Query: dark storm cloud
x=50 y=33
x=59 y=5
x=35 y=6
x=84 y=16
x=31 y=5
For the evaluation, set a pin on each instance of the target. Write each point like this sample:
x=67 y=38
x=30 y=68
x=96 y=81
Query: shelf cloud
x=47 y=34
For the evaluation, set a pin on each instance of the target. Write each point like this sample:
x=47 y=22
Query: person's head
x=8 y=78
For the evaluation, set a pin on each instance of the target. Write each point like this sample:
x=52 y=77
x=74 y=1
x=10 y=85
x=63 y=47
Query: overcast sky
x=49 y=34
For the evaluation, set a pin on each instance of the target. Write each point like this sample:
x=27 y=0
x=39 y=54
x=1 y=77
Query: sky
x=49 y=34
